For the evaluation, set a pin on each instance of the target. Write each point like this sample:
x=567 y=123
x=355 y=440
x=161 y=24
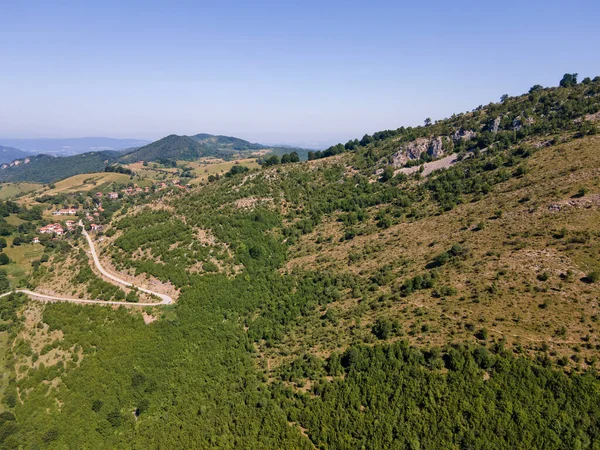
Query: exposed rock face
x=463 y=134
x=434 y=147
x=516 y=123
x=16 y=162
x=495 y=125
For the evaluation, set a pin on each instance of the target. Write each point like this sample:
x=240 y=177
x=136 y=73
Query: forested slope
x=47 y=169
x=344 y=303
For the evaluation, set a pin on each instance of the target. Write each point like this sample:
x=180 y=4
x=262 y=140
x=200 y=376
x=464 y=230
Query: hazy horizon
x=311 y=74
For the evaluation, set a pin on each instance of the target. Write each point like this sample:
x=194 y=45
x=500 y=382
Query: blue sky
x=276 y=71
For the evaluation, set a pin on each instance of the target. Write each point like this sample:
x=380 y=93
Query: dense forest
x=299 y=326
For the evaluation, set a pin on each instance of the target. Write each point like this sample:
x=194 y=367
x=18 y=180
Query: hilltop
x=8 y=154
x=424 y=287
x=170 y=149
x=190 y=148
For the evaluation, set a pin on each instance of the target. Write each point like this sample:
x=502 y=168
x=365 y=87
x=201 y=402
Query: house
x=96 y=227
x=99 y=194
x=55 y=228
x=35 y=240
x=112 y=195
x=70 y=224
x=65 y=212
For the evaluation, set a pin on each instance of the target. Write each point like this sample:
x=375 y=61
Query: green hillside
x=172 y=147
x=189 y=148
x=226 y=142
x=47 y=169
x=427 y=287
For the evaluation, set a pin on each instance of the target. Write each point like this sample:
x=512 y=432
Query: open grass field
x=13 y=219
x=85 y=182
x=21 y=258
x=11 y=190
x=204 y=169
x=153 y=171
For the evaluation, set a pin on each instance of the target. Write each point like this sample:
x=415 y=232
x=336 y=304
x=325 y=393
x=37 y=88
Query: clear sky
x=296 y=72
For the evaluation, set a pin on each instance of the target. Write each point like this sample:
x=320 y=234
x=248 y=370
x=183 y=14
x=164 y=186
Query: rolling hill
x=427 y=287
x=8 y=154
x=172 y=147
x=47 y=169
x=201 y=145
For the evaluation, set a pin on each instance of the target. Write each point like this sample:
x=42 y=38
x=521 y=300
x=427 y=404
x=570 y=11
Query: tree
x=568 y=80
x=535 y=88
x=388 y=173
x=382 y=328
x=132 y=297
x=366 y=140
x=2 y=243
x=586 y=80
x=503 y=98
x=428 y=121
x=235 y=170
x=294 y=157
x=271 y=161
x=4 y=259
x=285 y=159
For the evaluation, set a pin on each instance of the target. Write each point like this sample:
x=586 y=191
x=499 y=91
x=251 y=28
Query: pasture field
x=11 y=190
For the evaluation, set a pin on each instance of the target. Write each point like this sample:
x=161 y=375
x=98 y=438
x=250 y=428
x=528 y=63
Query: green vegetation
x=540 y=112
x=344 y=303
x=47 y=169
x=190 y=148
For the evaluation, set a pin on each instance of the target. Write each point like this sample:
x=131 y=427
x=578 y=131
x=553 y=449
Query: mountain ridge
x=71 y=146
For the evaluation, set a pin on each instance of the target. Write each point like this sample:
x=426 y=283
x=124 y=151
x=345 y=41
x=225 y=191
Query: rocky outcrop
x=516 y=123
x=495 y=125
x=461 y=134
x=16 y=162
x=434 y=147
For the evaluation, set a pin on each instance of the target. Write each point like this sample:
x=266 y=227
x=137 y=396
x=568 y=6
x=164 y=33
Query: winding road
x=165 y=299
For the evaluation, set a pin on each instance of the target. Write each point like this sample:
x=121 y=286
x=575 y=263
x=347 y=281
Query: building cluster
x=53 y=228
x=65 y=212
x=57 y=228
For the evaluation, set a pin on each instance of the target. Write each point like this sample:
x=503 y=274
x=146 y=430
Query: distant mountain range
x=44 y=168
x=8 y=154
x=71 y=146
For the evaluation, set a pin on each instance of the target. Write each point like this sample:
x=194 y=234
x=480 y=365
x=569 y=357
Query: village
x=91 y=216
